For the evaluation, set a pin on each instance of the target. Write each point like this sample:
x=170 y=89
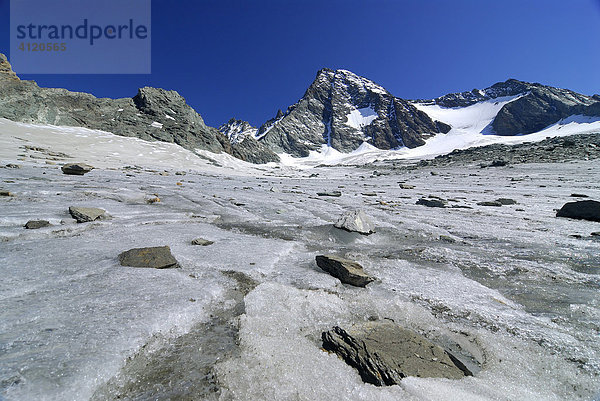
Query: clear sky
x=246 y=59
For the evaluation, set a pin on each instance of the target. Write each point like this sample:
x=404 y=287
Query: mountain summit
x=343 y=110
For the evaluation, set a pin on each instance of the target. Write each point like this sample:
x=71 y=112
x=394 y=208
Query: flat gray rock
x=85 y=214
x=35 y=224
x=490 y=203
x=158 y=257
x=431 y=202
x=506 y=201
x=581 y=210
x=76 y=168
x=384 y=353
x=356 y=221
x=347 y=271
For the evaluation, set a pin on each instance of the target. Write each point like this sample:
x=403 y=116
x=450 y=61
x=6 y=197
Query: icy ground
x=242 y=318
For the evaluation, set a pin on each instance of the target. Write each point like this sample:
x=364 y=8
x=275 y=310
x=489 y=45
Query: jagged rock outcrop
x=244 y=145
x=511 y=87
x=6 y=72
x=343 y=110
x=152 y=114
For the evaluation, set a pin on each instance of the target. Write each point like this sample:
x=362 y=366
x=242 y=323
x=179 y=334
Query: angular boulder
x=76 y=168
x=158 y=257
x=35 y=224
x=356 y=221
x=431 y=202
x=202 y=242
x=581 y=210
x=347 y=271
x=384 y=353
x=85 y=214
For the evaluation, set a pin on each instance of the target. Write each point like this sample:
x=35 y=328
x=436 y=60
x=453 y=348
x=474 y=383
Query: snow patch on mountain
x=359 y=118
x=474 y=118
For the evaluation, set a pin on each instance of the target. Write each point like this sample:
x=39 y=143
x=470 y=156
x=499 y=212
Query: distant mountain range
x=339 y=109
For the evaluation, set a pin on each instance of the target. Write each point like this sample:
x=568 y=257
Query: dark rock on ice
x=431 y=202
x=406 y=186
x=347 y=271
x=384 y=353
x=76 y=168
x=35 y=224
x=582 y=210
x=158 y=257
x=579 y=196
x=202 y=242
x=330 y=193
x=6 y=193
x=85 y=214
x=506 y=201
x=356 y=221
x=490 y=203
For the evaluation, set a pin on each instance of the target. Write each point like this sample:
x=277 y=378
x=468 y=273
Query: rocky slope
x=537 y=107
x=551 y=150
x=152 y=114
x=343 y=110
x=244 y=145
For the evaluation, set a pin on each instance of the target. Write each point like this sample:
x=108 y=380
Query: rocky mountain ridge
x=537 y=107
x=153 y=114
x=339 y=109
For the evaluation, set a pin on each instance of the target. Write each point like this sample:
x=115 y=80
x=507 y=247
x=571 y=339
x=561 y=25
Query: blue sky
x=246 y=59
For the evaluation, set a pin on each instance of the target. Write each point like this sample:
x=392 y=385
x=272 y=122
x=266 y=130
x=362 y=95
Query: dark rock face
x=76 y=169
x=158 y=257
x=540 y=107
x=348 y=271
x=384 y=353
x=86 y=214
x=35 y=224
x=344 y=110
x=581 y=210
